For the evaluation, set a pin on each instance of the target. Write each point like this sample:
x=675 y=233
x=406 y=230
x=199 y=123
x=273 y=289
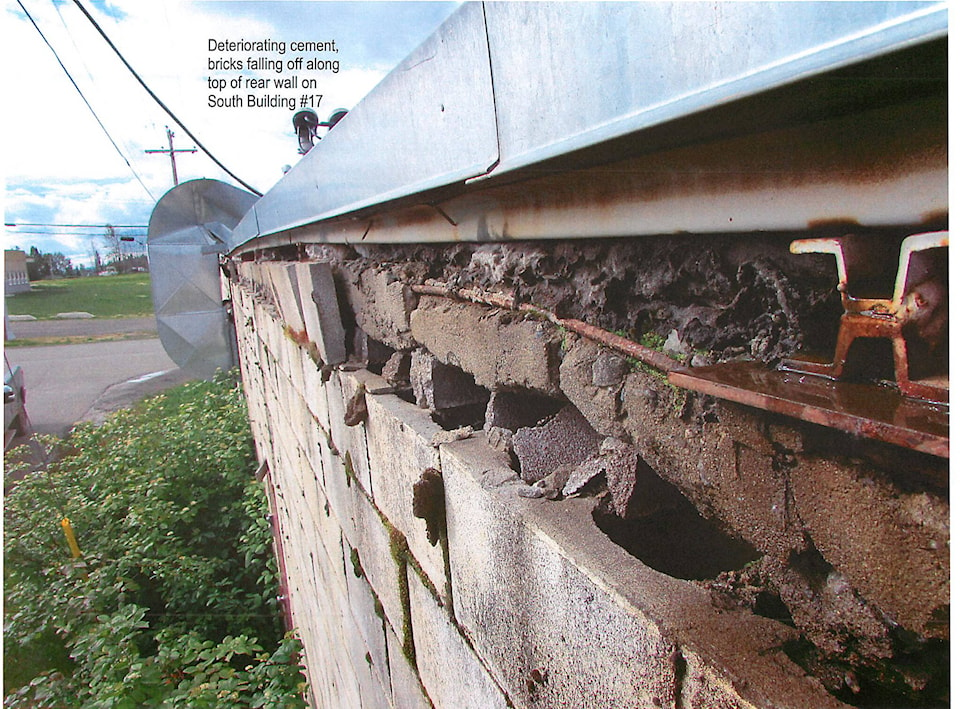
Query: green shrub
x=173 y=601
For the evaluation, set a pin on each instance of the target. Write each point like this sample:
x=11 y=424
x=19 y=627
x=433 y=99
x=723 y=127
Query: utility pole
x=172 y=153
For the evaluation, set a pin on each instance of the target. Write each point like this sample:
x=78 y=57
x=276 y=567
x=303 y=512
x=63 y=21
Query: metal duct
x=190 y=227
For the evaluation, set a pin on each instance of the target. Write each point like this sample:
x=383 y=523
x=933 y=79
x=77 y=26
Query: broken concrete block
x=512 y=410
x=369 y=350
x=585 y=384
x=500 y=349
x=396 y=370
x=564 y=439
x=380 y=303
x=321 y=310
x=620 y=463
x=581 y=476
x=439 y=386
x=500 y=439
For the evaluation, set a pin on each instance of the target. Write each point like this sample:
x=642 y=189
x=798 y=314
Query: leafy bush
x=173 y=601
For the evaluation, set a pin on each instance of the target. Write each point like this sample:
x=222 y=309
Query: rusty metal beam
x=864 y=410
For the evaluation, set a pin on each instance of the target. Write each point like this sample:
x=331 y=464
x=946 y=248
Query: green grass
x=126 y=296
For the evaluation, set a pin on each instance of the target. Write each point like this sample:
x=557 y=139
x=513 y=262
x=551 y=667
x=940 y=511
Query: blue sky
x=59 y=166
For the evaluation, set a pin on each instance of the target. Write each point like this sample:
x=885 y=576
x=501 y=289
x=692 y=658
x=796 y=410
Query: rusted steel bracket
x=914 y=319
x=915 y=414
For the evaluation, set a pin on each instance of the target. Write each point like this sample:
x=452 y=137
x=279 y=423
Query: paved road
x=65 y=383
x=86 y=328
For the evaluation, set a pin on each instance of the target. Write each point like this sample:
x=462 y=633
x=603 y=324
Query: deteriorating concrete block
x=578 y=645
x=500 y=349
x=321 y=311
x=860 y=524
x=399 y=438
x=600 y=404
x=368 y=350
x=381 y=304
x=396 y=370
x=513 y=410
x=440 y=386
x=283 y=278
x=449 y=668
x=638 y=638
x=566 y=439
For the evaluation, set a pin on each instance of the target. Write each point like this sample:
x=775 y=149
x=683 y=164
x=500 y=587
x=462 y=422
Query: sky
x=61 y=168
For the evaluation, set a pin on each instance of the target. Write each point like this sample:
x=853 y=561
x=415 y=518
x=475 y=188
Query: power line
x=157 y=99
x=102 y=127
x=64 y=233
x=79 y=226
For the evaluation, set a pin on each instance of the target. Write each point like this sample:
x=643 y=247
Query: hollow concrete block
x=449 y=668
x=321 y=311
x=399 y=440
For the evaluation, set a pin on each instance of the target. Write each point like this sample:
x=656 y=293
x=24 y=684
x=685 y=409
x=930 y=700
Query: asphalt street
x=69 y=383
x=92 y=327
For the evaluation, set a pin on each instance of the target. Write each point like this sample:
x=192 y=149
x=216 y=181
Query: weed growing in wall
x=172 y=599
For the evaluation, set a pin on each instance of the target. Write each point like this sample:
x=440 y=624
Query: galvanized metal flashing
x=505 y=86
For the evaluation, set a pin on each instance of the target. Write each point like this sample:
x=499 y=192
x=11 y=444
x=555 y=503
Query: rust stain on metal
x=914 y=318
x=861 y=409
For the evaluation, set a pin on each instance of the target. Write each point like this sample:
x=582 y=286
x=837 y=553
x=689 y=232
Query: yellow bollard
x=71 y=540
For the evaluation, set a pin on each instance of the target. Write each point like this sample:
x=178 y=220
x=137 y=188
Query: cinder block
x=450 y=670
x=567 y=438
x=513 y=410
x=500 y=352
x=399 y=441
x=557 y=639
x=441 y=386
x=405 y=685
x=321 y=311
x=369 y=629
x=341 y=389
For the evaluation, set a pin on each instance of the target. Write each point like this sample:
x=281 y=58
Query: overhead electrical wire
x=157 y=99
x=99 y=122
x=80 y=226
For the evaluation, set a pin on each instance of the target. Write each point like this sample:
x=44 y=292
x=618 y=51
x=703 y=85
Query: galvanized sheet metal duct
x=189 y=228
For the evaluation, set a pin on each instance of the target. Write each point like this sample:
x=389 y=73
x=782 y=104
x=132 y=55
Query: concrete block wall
x=519 y=603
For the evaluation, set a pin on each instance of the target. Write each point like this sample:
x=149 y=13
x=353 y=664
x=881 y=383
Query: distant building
x=16 y=279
